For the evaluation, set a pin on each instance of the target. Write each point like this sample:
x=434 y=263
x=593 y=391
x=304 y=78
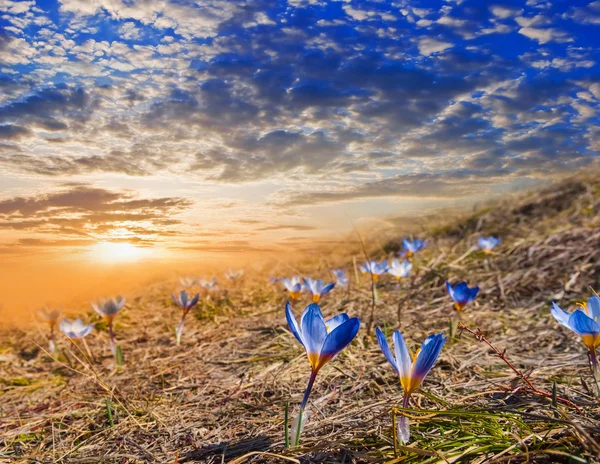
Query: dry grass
x=221 y=395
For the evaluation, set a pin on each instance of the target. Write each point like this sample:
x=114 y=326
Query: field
x=221 y=395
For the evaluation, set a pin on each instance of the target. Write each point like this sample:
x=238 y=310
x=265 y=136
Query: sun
x=116 y=252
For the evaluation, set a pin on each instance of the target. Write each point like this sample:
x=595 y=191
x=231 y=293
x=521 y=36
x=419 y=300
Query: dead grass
x=221 y=395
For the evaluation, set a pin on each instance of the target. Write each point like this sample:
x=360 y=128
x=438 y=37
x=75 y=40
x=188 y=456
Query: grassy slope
x=221 y=394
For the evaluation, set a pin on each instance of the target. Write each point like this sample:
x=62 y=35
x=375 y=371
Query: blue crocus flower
x=108 y=309
x=400 y=270
x=208 y=284
x=234 y=275
x=412 y=247
x=374 y=268
x=187 y=281
x=75 y=329
x=322 y=340
x=584 y=323
x=341 y=279
x=51 y=317
x=412 y=368
x=488 y=244
x=317 y=288
x=292 y=285
x=185 y=303
x=461 y=294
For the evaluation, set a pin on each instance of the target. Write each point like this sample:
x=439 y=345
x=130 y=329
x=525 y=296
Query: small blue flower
x=412 y=368
x=50 y=316
x=322 y=339
x=461 y=294
x=400 y=270
x=488 y=244
x=234 y=275
x=412 y=247
x=187 y=281
x=374 y=268
x=184 y=301
x=342 y=279
x=292 y=285
x=317 y=288
x=75 y=329
x=208 y=284
x=584 y=323
x=108 y=308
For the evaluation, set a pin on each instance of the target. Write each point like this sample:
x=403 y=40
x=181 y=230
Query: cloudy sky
x=223 y=125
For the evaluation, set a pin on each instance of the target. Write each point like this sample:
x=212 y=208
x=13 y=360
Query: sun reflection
x=117 y=252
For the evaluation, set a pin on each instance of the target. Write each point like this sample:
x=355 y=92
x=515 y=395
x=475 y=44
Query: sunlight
x=116 y=252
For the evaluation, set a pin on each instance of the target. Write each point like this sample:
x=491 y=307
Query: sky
x=137 y=128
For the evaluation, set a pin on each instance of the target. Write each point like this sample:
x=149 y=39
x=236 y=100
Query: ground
x=221 y=395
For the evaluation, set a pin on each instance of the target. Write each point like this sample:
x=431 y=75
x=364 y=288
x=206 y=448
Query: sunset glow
x=117 y=252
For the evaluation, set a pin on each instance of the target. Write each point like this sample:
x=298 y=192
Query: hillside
x=221 y=394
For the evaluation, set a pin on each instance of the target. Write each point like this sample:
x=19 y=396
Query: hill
x=221 y=394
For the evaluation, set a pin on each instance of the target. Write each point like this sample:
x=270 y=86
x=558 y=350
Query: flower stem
x=402 y=427
x=405 y=400
x=113 y=343
x=298 y=430
x=179 y=329
x=594 y=369
x=52 y=342
x=311 y=381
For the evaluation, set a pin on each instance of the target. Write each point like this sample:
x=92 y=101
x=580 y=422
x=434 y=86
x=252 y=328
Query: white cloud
x=452 y=22
x=543 y=36
x=188 y=21
x=534 y=21
x=16 y=7
x=429 y=46
x=359 y=15
x=585 y=111
x=504 y=12
x=129 y=31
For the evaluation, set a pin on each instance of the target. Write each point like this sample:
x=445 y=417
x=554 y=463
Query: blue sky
x=178 y=123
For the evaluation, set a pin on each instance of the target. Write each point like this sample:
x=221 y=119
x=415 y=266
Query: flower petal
x=403 y=359
x=338 y=339
x=183 y=295
x=450 y=289
x=474 y=291
x=593 y=306
x=582 y=324
x=85 y=331
x=430 y=350
x=560 y=315
x=385 y=348
x=292 y=323
x=314 y=332
x=327 y=288
x=335 y=321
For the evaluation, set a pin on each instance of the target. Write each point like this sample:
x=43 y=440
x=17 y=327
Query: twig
x=479 y=336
